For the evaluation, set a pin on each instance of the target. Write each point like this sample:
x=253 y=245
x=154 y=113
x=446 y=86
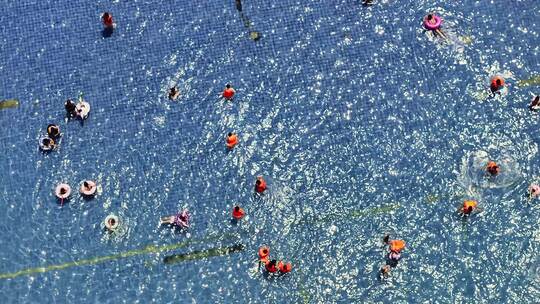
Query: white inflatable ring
x=88 y=192
x=112 y=222
x=58 y=191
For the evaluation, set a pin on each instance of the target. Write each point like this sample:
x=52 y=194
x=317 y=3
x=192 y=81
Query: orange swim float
x=397 y=245
x=232 y=140
x=238 y=213
x=497 y=83
x=284 y=267
x=264 y=253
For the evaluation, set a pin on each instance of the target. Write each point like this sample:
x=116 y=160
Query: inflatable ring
x=62 y=191
x=534 y=190
x=397 y=245
x=53 y=130
x=433 y=26
x=90 y=190
x=394 y=256
x=264 y=252
x=112 y=222
x=82 y=109
x=46 y=147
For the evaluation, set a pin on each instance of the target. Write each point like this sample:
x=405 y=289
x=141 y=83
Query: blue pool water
x=362 y=123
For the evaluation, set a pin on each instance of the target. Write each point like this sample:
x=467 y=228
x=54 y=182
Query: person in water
x=385 y=271
x=70 y=107
x=431 y=20
x=238 y=5
x=47 y=144
x=174 y=93
x=469 y=207
x=271 y=266
x=53 y=131
x=535 y=103
x=492 y=168
x=180 y=220
x=367 y=2
x=260 y=184
x=395 y=247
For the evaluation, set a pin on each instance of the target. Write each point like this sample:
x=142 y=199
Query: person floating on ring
x=534 y=191
x=492 y=168
x=174 y=93
x=284 y=267
x=47 y=144
x=229 y=92
x=496 y=84
x=180 y=220
x=82 y=109
x=112 y=222
x=62 y=192
x=469 y=207
x=433 y=23
x=264 y=254
x=271 y=266
x=232 y=140
x=88 y=188
x=70 y=107
x=384 y=272
x=238 y=213
x=260 y=184
x=53 y=131
x=395 y=247
x=535 y=103
x=107 y=20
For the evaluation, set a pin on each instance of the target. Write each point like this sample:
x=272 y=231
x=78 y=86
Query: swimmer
x=535 y=103
x=496 y=84
x=53 y=131
x=82 y=109
x=367 y=2
x=232 y=140
x=395 y=246
x=174 y=93
x=260 y=185
x=112 y=222
x=107 y=20
x=493 y=168
x=469 y=206
x=70 y=106
x=433 y=23
x=270 y=266
x=47 y=144
x=238 y=213
x=534 y=191
x=284 y=267
x=238 y=5
x=264 y=254
x=88 y=188
x=180 y=220
x=229 y=92
x=385 y=271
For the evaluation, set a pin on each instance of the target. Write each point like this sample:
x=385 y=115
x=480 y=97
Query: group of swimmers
x=273 y=266
x=433 y=23
x=80 y=110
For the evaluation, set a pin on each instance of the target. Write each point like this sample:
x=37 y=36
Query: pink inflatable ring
x=430 y=25
x=534 y=190
x=62 y=191
x=88 y=188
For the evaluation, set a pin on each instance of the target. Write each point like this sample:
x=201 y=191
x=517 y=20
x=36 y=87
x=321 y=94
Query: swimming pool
x=361 y=123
